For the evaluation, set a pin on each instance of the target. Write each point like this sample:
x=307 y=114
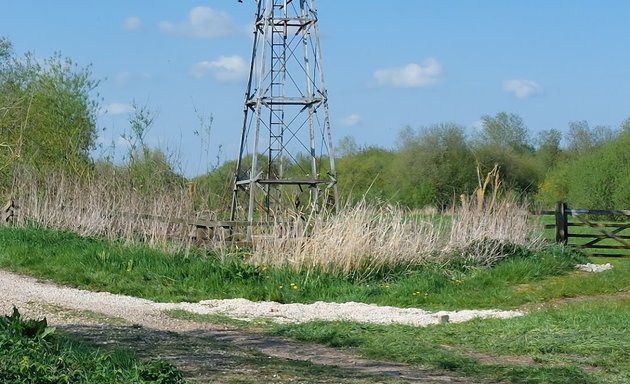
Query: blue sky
x=387 y=64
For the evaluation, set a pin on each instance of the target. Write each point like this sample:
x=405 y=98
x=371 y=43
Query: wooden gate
x=609 y=236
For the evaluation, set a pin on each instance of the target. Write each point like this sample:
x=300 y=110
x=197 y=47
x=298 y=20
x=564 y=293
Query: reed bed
x=479 y=231
x=371 y=237
x=104 y=208
x=361 y=237
x=361 y=240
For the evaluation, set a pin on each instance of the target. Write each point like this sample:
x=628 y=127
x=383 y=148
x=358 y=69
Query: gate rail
x=617 y=233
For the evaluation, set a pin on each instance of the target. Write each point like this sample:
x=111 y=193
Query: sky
x=388 y=65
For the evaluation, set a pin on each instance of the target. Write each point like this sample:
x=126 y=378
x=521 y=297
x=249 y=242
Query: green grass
x=32 y=352
x=575 y=330
x=583 y=342
x=578 y=341
x=139 y=271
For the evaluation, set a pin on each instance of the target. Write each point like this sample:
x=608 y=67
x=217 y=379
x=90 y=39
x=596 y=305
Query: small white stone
x=594 y=267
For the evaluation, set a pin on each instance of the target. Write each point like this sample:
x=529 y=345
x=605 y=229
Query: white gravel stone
x=594 y=267
x=363 y=313
x=15 y=289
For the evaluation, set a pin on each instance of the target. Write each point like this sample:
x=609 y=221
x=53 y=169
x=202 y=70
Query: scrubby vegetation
x=33 y=352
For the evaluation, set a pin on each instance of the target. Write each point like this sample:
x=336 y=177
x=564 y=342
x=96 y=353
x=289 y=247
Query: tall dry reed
x=105 y=207
x=368 y=237
x=361 y=239
x=482 y=230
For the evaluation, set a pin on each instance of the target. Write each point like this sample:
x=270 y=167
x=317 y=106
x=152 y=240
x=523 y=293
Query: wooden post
x=562 y=226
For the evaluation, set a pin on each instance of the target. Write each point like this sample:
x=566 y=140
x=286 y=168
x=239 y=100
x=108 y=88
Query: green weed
x=32 y=352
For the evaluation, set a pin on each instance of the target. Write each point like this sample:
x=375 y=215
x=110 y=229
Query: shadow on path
x=225 y=356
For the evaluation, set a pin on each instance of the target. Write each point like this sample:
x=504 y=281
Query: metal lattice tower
x=286 y=162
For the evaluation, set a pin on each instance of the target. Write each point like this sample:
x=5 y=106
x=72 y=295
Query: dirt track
x=205 y=353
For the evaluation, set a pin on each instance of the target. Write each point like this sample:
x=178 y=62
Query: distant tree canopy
x=48 y=124
x=47 y=115
x=599 y=179
x=506 y=131
x=434 y=166
x=363 y=172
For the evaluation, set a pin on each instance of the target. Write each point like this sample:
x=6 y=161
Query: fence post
x=562 y=227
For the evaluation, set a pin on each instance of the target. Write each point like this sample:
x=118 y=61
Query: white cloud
x=116 y=109
x=223 y=69
x=202 y=22
x=132 y=23
x=350 y=120
x=411 y=75
x=523 y=88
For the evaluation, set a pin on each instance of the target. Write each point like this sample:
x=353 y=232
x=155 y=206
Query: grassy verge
x=139 y=271
x=32 y=352
x=579 y=343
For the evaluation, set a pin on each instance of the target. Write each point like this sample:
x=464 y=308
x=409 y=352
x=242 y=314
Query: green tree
x=434 y=165
x=364 y=173
x=150 y=170
x=505 y=130
x=48 y=114
x=598 y=179
x=548 y=149
x=6 y=51
x=504 y=141
x=581 y=138
x=347 y=146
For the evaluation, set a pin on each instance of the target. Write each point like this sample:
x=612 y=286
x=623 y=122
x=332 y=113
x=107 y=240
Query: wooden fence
x=596 y=237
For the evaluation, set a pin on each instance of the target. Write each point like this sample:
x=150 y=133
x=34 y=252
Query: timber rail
x=597 y=232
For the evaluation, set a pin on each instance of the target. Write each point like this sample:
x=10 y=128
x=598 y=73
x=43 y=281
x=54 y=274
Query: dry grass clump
x=362 y=237
x=367 y=237
x=484 y=235
x=103 y=207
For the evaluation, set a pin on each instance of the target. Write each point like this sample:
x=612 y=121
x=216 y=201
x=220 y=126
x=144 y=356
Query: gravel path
x=66 y=307
x=136 y=310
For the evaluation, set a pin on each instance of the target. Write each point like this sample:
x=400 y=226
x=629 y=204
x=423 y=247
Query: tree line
x=48 y=123
x=434 y=165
